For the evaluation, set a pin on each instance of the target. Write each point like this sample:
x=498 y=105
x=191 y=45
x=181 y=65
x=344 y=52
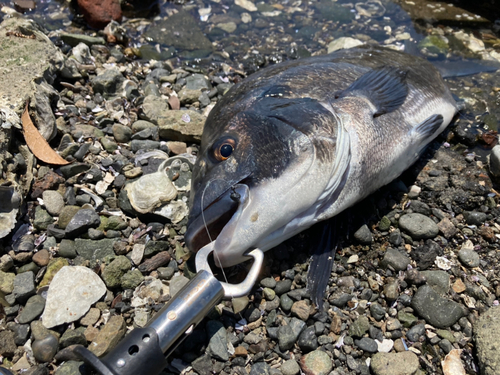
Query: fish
x=299 y=142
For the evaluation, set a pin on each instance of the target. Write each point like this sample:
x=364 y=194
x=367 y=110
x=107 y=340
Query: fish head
x=252 y=178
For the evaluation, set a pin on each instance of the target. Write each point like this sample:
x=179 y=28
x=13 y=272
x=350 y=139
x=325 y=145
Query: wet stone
x=33 y=309
x=418 y=226
x=436 y=310
x=45 y=348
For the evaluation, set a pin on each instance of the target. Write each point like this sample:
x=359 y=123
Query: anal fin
x=384 y=87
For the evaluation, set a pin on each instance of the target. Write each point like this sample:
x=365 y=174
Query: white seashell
x=151 y=190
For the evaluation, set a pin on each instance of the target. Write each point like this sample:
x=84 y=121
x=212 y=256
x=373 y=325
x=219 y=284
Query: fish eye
x=224 y=149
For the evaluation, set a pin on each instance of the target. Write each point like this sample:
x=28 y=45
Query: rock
x=475 y=218
x=404 y=363
x=316 y=363
x=45 y=348
x=396 y=259
x=468 y=256
x=99 y=13
x=359 y=327
x=416 y=332
x=108 y=336
x=66 y=215
x=42 y=219
x=486 y=337
x=447 y=228
x=307 y=340
x=183 y=126
x=268 y=282
x=33 y=309
x=153 y=108
x=406 y=319
x=72 y=291
x=377 y=311
x=132 y=279
x=53 y=201
x=288 y=334
x=363 y=235
x=108 y=83
x=343 y=43
x=260 y=368
x=94 y=250
x=283 y=286
x=41 y=258
x=81 y=222
x=7 y=343
x=24 y=286
x=290 y=367
x=217 y=345
x=113 y=272
x=438 y=280
x=53 y=268
x=452 y=364
x=436 y=310
x=385 y=224
x=301 y=310
x=73 y=337
x=286 y=302
x=6 y=282
x=418 y=226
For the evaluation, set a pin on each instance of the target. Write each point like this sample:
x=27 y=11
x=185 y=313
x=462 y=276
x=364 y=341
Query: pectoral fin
x=385 y=88
x=427 y=128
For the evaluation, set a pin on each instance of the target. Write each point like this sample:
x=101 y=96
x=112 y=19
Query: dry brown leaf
x=37 y=144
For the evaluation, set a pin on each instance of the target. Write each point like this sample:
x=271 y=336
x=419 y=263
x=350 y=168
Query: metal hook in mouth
x=232 y=290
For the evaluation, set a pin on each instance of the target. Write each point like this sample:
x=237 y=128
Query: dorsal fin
x=385 y=87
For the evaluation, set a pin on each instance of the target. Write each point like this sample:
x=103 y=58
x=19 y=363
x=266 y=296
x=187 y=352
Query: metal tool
x=144 y=350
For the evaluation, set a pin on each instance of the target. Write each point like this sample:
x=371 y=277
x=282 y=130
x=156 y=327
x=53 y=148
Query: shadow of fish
x=299 y=142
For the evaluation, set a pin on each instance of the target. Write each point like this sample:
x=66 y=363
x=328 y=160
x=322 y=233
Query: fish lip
x=206 y=225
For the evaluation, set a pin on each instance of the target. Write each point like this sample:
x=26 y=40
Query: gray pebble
x=260 y=368
x=307 y=340
x=268 y=282
x=286 y=302
x=283 y=286
x=24 y=286
x=418 y=226
x=395 y=259
x=290 y=367
x=416 y=332
x=217 y=346
x=468 y=257
x=475 y=218
x=436 y=310
x=82 y=221
x=33 y=309
x=363 y=235
x=45 y=349
x=377 y=311
x=53 y=201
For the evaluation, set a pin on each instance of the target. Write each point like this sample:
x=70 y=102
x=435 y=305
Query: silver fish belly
x=301 y=141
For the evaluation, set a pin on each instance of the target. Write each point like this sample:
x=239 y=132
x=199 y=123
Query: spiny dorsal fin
x=384 y=87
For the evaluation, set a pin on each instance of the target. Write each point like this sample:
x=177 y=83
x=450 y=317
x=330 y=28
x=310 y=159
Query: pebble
x=301 y=310
x=7 y=343
x=395 y=259
x=468 y=257
x=45 y=348
x=290 y=367
x=24 y=286
x=260 y=368
x=113 y=272
x=494 y=161
x=32 y=310
x=41 y=258
x=436 y=310
x=72 y=291
x=363 y=235
x=404 y=363
x=418 y=226
x=283 y=286
x=81 y=222
x=268 y=282
x=475 y=218
x=108 y=336
x=307 y=340
x=438 y=280
x=53 y=201
x=316 y=362
x=359 y=327
x=217 y=345
x=452 y=364
x=177 y=283
x=367 y=344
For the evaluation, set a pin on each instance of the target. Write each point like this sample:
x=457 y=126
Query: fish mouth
x=220 y=215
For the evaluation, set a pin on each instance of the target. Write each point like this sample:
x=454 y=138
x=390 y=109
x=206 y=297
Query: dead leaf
x=37 y=144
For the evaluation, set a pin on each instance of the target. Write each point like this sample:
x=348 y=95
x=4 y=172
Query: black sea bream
x=299 y=142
